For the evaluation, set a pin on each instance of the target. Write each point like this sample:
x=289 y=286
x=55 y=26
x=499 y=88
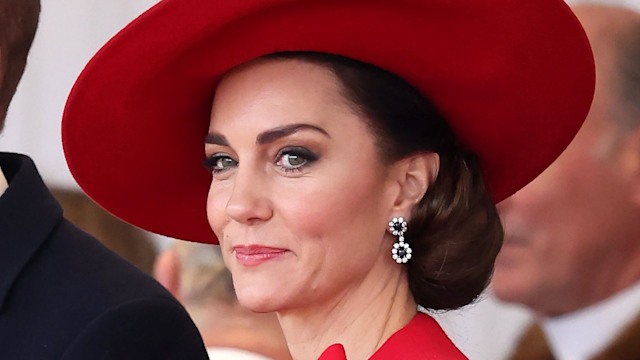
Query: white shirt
x=4 y=185
x=587 y=332
x=224 y=353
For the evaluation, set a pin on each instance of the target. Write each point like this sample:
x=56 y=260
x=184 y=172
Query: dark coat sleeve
x=152 y=329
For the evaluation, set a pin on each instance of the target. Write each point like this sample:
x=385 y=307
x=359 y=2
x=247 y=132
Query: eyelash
x=211 y=163
x=297 y=151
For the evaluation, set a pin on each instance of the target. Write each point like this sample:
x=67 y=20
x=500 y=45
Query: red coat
x=421 y=339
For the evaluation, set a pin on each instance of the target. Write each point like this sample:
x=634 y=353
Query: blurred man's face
x=571 y=234
x=561 y=230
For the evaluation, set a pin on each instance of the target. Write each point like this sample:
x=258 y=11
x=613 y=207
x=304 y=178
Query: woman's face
x=300 y=199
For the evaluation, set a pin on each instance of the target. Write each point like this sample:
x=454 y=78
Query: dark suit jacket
x=65 y=296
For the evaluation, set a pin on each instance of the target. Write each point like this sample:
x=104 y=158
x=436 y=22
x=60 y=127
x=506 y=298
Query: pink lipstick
x=254 y=255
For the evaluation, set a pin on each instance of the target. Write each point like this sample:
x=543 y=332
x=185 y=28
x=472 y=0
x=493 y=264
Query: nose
x=249 y=200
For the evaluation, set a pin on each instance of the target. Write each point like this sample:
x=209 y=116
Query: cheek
x=541 y=192
x=550 y=204
x=344 y=213
x=217 y=200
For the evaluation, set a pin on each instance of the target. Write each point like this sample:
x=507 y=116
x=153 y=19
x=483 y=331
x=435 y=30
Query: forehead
x=287 y=89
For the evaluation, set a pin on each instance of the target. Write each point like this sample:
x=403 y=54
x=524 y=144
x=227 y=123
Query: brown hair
x=455 y=230
x=18 y=23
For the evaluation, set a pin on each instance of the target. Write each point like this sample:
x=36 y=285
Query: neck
x=361 y=318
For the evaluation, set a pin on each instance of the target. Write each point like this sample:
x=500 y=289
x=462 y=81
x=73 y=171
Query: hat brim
x=515 y=79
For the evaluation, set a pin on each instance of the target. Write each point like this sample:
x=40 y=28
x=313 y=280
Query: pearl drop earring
x=401 y=252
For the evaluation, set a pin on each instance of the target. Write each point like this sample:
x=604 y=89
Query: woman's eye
x=219 y=162
x=295 y=158
x=292 y=161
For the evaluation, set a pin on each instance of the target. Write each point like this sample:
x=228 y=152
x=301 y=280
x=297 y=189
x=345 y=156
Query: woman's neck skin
x=362 y=318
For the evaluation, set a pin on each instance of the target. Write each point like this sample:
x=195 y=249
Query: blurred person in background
x=572 y=245
x=196 y=275
x=63 y=295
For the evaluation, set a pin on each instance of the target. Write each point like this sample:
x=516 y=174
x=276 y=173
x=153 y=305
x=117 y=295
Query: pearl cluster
x=401 y=252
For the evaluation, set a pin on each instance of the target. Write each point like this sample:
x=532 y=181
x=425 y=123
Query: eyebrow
x=274 y=134
x=267 y=136
x=216 y=139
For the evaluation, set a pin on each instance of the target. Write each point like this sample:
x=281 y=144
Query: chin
x=259 y=301
x=510 y=289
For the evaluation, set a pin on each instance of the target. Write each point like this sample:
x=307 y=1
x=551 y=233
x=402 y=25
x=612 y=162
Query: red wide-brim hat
x=515 y=79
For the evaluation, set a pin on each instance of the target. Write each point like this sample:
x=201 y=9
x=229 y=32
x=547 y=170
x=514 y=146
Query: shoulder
x=65 y=293
x=139 y=329
x=76 y=296
x=89 y=266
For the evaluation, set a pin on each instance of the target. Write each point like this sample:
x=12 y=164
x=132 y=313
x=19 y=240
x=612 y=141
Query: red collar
x=421 y=338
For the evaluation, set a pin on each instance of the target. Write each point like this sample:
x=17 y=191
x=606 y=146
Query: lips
x=254 y=255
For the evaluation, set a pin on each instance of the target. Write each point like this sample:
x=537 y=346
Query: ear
x=414 y=175
x=166 y=270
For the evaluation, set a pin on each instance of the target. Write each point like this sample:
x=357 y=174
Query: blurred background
x=70 y=32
